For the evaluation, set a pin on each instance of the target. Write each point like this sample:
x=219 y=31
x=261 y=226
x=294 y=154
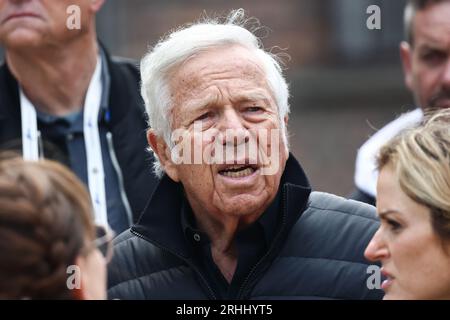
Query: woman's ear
x=163 y=153
x=76 y=280
x=91 y=272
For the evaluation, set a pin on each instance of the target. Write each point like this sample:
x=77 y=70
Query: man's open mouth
x=238 y=171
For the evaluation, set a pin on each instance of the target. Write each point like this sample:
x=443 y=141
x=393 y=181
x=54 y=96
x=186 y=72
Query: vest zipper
x=193 y=267
x=253 y=273
x=115 y=163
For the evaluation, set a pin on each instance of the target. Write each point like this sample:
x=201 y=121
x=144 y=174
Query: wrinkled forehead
x=217 y=64
x=432 y=24
x=222 y=59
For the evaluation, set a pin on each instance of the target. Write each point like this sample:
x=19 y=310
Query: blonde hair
x=420 y=157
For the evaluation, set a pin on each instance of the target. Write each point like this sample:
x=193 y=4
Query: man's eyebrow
x=431 y=44
x=200 y=104
x=251 y=96
x=430 y=47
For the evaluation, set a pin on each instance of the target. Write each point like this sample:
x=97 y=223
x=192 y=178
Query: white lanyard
x=95 y=171
x=30 y=133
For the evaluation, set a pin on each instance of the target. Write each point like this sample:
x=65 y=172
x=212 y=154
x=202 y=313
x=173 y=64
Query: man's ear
x=96 y=5
x=406 y=57
x=286 y=120
x=163 y=152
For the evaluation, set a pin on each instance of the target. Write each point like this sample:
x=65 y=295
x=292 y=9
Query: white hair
x=179 y=46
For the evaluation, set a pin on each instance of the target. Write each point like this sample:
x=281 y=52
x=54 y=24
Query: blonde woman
x=413 y=203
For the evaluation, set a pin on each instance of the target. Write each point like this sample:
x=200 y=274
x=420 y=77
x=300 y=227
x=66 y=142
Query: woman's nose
x=376 y=249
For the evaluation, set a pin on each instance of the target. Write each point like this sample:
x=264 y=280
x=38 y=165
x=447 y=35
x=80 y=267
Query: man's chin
x=440 y=104
x=23 y=38
x=243 y=205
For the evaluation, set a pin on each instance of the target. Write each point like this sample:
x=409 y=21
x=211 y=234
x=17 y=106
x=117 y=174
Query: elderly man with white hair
x=233 y=216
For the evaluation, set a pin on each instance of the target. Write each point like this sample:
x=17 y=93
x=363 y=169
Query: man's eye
x=204 y=116
x=433 y=57
x=253 y=109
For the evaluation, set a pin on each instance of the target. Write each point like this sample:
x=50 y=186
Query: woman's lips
x=386 y=284
x=388 y=281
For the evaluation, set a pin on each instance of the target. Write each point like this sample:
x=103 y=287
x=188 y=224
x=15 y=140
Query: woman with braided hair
x=49 y=248
x=413 y=202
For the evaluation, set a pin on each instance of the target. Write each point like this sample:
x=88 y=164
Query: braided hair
x=45 y=221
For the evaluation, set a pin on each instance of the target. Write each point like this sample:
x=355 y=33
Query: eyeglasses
x=103 y=241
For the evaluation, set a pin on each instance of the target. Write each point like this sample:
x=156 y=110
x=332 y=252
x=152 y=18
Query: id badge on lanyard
x=95 y=171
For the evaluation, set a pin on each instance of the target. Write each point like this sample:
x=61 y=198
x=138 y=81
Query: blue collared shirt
x=67 y=133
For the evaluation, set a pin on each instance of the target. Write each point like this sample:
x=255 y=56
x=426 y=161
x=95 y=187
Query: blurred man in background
x=425 y=57
x=63 y=97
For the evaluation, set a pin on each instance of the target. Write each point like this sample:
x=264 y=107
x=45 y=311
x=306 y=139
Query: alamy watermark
x=258 y=148
x=374 y=20
x=73 y=21
x=374 y=280
x=73 y=281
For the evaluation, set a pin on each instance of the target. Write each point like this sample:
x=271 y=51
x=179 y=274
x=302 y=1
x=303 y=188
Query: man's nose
x=446 y=75
x=376 y=249
x=19 y=1
x=232 y=127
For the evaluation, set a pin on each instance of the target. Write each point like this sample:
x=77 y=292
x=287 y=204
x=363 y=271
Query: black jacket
x=360 y=195
x=317 y=252
x=127 y=125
